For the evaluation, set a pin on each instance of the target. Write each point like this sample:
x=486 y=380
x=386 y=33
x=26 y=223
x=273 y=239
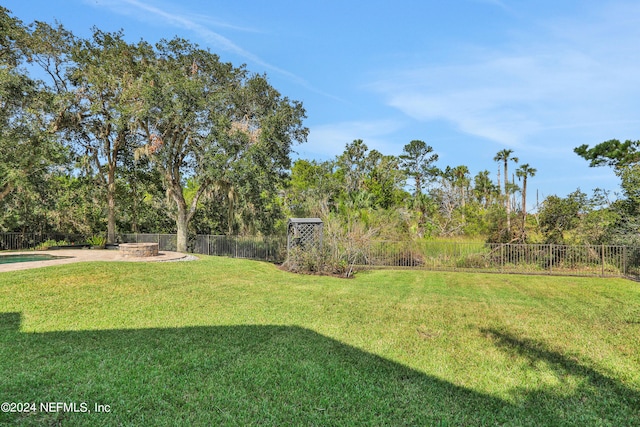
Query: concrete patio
x=83 y=255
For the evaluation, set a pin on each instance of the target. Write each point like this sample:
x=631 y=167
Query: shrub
x=46 y=245
x=97 y=241
x=473 y=261
x=50 y=243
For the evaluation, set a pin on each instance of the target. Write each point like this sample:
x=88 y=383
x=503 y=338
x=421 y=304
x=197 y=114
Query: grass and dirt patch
x=231 y=342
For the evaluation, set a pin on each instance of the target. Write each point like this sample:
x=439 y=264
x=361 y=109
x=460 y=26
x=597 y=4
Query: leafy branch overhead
x=611 y=153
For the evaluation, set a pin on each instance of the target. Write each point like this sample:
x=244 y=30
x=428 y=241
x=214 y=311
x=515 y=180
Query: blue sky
x=468 y=77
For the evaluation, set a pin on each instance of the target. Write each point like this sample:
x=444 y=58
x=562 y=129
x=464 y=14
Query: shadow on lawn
x=282 y=375
x=596 y=394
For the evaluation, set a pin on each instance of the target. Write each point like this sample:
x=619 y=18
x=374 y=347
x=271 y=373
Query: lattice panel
x=305 y=235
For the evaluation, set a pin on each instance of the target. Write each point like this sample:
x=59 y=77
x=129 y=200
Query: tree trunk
x=524 y=207
x=184 y=213
x=506 y=194
x=111 y=204
x=182 y=223
x=6 y=191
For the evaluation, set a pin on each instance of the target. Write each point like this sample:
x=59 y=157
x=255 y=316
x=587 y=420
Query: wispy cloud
x=498 y=3
x=198 y=25
x=329 y=140
x=576 y=73
x=147 y=11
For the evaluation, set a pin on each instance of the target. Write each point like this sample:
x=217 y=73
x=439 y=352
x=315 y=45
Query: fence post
x=624 y=260
x=550 y=258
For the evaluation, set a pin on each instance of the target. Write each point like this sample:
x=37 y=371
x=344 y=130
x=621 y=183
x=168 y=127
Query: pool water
x=10 y=259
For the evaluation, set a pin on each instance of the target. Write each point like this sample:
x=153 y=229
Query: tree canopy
x=116 y=137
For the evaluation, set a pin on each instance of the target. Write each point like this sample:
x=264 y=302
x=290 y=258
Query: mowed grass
x=231 y=342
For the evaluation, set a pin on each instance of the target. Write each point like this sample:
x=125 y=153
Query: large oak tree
x=100 y=108
x=214 y=124
x=27 y=149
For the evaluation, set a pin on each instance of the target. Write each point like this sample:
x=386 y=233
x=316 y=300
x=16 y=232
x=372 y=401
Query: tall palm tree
x=460 y=175
x=484 y=188
x=505 y=156
x=525 y=171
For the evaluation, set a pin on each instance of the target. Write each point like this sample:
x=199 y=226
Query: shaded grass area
x=231 y=342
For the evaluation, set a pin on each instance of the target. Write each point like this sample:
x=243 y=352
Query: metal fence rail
x=265 y=248
x=599 y=260
x=16 y=241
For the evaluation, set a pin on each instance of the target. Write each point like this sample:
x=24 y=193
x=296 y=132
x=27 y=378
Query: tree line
x=135 y=137
x=100 y=136
x=408 y=196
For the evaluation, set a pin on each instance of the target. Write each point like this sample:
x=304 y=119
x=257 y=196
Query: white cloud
x=573 y=74
x=329 y=140
x=147 y=11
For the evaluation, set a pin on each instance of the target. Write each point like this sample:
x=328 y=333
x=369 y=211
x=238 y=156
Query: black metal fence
x=22 y=241
x=599 y=260
x=265 y=248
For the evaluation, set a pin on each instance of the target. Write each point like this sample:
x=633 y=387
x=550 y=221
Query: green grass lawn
x=232 y=342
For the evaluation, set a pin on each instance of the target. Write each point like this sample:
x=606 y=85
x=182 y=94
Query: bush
x=50 y=243
x=300 y=260
x=473 y=261
x=324 y=260
x=97 y=241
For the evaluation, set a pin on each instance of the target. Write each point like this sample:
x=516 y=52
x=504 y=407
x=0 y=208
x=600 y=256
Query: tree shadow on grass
x=241 y=375
x=596 y=400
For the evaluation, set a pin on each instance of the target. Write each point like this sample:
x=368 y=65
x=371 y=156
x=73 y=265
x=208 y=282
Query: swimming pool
x=10 y=259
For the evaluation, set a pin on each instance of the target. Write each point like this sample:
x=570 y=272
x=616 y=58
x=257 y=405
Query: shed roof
x=305 y=220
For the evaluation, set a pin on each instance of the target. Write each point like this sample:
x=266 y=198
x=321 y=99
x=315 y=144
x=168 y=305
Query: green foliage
x=28 y=153
x=218 y=125
x=51 y=243
x=619 y=220
x=484 y=190
x=610 y=153
x=46 y=245
x=476 y=224
x=97 y=240
x=167 y=138
x=497 y=225
x=313 y=188
x=417 y=160
x=560 y=215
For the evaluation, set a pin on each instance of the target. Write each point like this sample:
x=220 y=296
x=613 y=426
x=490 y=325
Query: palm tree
x=504 y=156
x=525 y=171
x=483 y=188
x=460 y=179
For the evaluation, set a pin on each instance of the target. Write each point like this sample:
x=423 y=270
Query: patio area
x=83 y=255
